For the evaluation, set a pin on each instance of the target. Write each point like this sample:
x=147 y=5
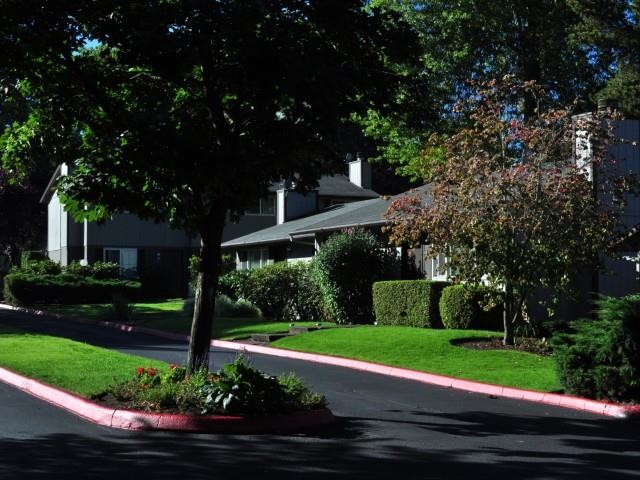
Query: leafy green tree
x=510 y=206
x=470 y=41
x=182 y=110
x=610 y=31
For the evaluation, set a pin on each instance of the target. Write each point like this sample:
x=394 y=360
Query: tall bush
x=346 y=267
x=411 y=303
x=601 y=358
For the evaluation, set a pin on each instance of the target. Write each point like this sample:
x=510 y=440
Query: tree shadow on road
x=352 y=448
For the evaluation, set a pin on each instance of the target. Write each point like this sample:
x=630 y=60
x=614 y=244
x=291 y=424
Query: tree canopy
x=183 y=110
x=464 y=42
x=510 y=206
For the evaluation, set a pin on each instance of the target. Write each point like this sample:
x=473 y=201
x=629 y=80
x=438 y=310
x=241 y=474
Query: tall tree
x=510 y=206
x=471 y=40
x=610 y=32
x=185 y=109
x=26 y=163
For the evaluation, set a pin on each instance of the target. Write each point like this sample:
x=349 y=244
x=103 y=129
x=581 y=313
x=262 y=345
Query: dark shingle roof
x=364 y=213
x=341 y=186
x=336 y=186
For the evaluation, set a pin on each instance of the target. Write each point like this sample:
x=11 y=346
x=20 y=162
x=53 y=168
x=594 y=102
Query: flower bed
x=236 y=389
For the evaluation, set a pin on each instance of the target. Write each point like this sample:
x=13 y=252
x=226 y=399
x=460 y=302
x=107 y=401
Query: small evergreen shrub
x=346 y=267
x=29 y=289
x=601 y=358
x=412 y=303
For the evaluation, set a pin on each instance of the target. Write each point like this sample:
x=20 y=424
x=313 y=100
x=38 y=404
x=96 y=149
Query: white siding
x=56 y=225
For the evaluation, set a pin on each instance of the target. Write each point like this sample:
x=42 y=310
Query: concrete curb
x=565 y=401
x=138 y=420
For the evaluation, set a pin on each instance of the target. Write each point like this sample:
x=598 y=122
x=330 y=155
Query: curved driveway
x=386 y=428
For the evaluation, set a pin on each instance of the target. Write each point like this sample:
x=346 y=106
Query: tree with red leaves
x=510 y=206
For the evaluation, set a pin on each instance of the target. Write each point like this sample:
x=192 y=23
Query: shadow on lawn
x=594 y=449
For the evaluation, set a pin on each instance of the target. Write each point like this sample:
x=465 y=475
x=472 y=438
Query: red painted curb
x=137 y=420
x=558 y=400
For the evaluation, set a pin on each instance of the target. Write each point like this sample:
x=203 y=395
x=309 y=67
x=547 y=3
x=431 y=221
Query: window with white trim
x=254 y=258
x=126 y=258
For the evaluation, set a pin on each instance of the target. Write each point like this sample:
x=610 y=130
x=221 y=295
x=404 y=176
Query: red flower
x=151 y=372
x=139 y=371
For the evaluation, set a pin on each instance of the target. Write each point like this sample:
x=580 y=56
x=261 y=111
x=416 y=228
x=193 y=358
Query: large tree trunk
x=205 y=298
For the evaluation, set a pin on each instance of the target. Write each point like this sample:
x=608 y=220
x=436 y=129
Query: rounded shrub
x=346 y=267
x=601 y=358
x=457 y=308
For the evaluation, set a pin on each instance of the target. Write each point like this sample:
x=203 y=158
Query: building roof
x=364 y=213
x=341 y=186
x=48 y=192
x=335 y=186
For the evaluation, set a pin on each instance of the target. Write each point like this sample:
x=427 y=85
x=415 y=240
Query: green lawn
x=419 y=349
x=77 y=367
x=431 y=351
x=168 y=315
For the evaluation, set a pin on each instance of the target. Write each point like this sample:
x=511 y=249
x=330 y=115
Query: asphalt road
x=386 y=428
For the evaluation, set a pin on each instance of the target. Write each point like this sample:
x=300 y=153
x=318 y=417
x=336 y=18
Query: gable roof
x=341 y=186
x=48 y=192
x=337 y=185
x=364 y=213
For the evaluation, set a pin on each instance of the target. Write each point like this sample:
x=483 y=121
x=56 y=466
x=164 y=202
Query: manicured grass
x=431 y=351
x=77 y=367
x=168 y=315
x=418 y=349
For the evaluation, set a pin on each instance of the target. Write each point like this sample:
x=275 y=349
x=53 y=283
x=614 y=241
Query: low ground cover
x=169 y=315
x=432 y=351
x=121 y=381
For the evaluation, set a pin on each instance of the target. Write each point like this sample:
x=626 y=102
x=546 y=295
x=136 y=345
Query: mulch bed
x=531 y=345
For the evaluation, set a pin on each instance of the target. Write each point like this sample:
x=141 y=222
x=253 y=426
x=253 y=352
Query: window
x=126 y=258
x=437 y=265
x=264 y=206
x=254 y=258
x=439 y=271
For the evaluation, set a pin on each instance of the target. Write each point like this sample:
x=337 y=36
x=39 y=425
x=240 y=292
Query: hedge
x=601 y=358
x=460 y=307
x=30 y=289
x=412 y=303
